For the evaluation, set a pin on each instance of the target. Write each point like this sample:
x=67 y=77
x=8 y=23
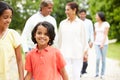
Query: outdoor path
x=112 y=68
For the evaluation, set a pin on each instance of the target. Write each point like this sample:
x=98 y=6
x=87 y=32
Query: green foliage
x=111 y=9
x=23 y=9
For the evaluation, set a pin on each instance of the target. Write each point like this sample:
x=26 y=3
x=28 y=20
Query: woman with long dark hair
x=101 y=42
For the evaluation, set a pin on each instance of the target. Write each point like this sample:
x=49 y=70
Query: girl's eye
x=6 y=17
x=11 y=17
x=46 y=34
x=39 y=33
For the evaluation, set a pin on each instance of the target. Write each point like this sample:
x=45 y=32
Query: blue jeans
x=100 y=54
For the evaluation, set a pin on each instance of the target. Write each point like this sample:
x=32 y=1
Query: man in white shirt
x=89 y=34
x=42 y=15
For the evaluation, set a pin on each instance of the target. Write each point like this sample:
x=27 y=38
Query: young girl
x=10 y=49
x=44 y=62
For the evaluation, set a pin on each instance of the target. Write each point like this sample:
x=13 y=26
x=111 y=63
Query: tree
x=23 y=9
x=111 y=9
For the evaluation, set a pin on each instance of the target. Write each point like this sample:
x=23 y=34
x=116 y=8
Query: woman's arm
x=28 y=76
x=19 y=62
x=64 y=74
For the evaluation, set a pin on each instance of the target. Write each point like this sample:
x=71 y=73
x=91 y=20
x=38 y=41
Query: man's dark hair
x=82 y=10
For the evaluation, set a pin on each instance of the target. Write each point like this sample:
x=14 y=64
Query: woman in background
x=101 y=42
x=72 y=40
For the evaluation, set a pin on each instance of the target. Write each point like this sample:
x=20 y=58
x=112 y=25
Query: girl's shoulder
x=12 y=31
x=56 y=50
x=106 y=24
x=14 y=37
x=53 y=48
x=14 y=34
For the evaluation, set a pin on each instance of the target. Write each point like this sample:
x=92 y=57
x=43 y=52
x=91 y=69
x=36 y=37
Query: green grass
x=114 y=51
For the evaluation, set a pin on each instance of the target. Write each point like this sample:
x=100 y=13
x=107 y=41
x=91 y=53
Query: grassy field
x=114 y=51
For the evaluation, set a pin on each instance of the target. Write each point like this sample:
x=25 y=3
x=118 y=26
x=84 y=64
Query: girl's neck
x=100 y=22
x=3 y=30
x=40 y=47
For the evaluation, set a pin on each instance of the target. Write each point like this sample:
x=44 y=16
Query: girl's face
x=97 y=17
x=5 y=19
x=41 y=36
x=69 y=12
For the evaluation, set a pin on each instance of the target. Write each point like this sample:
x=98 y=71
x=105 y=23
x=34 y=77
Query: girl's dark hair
x=102 y=16
x=50 y=31
x=73 y=5
x=4 y=6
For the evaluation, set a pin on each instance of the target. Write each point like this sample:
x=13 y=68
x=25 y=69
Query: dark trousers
x=84 y=67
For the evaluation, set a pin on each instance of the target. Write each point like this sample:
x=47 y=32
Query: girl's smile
x=41 y=36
